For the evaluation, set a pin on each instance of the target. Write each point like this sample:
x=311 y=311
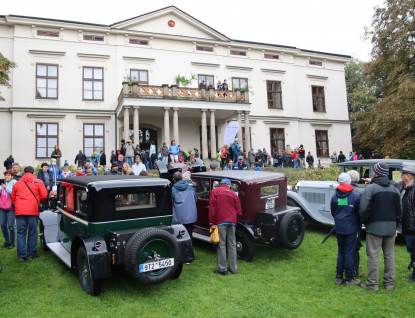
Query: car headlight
x=290 y=188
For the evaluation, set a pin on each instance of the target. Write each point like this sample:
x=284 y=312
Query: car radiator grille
x=314 y=197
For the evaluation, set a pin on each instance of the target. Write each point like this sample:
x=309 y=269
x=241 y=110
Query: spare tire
x=146 y=246
x=291 y=230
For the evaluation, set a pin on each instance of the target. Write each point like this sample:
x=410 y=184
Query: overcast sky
x=333 y=26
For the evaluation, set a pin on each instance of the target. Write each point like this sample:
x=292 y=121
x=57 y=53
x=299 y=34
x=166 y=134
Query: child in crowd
x=80 y=171
x=256 y=166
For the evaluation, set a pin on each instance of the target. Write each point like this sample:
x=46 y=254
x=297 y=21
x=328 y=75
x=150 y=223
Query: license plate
x=269 y=203
x=147 y=267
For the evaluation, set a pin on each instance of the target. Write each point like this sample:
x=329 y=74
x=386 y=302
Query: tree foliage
x=390 y=127
x=5 y=67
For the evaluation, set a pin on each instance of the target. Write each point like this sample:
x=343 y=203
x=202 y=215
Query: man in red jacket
x=224 y=211
x=27 y=193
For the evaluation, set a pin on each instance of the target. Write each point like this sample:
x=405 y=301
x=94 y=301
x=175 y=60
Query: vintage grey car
x=313 y=197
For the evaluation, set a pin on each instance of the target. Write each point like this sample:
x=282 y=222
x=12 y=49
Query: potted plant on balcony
x=183 y=80
x=129 y=79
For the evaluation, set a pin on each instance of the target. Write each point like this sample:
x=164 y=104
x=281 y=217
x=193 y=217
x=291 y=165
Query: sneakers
x=224 y=273
x=33 y=257
x=22 y=259
x=352 y=282
x=11 y=245
x=367 y=288
x=390 y=287
x=339 y=280
x=410 y=280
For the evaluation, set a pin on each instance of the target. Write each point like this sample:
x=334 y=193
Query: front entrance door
x=146 y=135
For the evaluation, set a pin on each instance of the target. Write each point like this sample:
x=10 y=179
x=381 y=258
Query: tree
x=362 y=95
x=5 y=67
x=390 y=127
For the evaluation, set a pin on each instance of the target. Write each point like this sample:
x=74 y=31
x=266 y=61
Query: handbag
x=5 y=201
x=214 y=234
x=40 y=205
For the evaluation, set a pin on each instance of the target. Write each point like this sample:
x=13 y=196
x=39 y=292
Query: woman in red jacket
x=27 y=193
x=223 y=155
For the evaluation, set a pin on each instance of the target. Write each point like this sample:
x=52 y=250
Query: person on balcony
x=202 y=85
x=219 y=87
x=225 y=85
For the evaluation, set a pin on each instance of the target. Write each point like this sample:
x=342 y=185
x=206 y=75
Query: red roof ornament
x=171 y=23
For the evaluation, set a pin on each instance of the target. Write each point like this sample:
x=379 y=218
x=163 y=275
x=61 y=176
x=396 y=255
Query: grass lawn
x=277 y=283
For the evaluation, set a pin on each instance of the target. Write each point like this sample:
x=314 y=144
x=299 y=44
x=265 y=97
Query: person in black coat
x=103 y=159
x=113 y=156
x=342 y=157
x=8 y=162
x=80 y=158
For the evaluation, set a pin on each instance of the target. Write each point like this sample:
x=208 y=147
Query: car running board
x=201 y=237
x=60 y=252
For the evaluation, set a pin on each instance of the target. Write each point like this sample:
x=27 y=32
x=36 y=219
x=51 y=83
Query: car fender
x=247 y=228
x=98 y=257
x=185 y=243
x=304 y=205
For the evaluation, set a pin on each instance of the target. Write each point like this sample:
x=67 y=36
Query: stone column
x=247 y=134
x=136 y=125
x=239 y=120
x=212 y=135
x=176 y=125
x=204 y=135
x=166 y=126
x=126 y=123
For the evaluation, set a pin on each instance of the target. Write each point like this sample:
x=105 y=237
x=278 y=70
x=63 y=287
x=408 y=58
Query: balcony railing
x=182 y=93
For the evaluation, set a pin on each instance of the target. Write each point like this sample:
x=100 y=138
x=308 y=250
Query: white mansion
x=80 y=85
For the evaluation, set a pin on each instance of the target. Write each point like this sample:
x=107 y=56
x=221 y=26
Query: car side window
x=66 y=197
x=82 y=203
x=202 y=188
x=235 y=188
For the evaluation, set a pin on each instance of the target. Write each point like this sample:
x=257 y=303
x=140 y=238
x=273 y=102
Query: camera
x=2 y=181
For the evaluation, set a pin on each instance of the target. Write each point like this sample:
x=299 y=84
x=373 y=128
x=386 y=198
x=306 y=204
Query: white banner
x=230 y=132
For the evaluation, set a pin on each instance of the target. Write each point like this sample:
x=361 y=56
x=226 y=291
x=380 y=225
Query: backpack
x=5 y=163
x=233 y=147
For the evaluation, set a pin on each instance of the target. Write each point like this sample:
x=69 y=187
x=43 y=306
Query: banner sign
x=230 y=132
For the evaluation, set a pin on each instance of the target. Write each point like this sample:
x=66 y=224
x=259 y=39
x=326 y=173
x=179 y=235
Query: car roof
x=109 y=181
x=239 y=174
x=371 y=162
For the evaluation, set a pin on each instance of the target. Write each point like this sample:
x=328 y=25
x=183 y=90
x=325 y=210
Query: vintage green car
x=98 y=222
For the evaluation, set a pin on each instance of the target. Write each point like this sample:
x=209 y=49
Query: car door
x=202 y=191
x=73 y=221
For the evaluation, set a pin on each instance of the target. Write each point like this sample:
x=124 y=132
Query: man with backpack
x=235 y=149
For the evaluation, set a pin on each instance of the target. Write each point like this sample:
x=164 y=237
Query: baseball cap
x=240 y=157
x=225 y=181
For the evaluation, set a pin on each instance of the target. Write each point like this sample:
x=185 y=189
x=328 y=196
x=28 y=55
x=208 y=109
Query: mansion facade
x=85 y=86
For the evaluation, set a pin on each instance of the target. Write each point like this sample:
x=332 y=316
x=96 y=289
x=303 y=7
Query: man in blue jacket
x=87 y=164
x=345 y=210
x=184 y=203
x=235 y=149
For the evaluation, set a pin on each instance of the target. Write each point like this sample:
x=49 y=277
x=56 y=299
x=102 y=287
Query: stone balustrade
x=165 y=91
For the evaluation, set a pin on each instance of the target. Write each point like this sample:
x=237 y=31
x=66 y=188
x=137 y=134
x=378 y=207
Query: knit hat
x=213 y=165
x=381 y=169
x=344 y=178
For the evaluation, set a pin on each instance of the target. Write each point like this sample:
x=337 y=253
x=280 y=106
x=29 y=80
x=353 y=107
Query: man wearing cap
x=241 y=165
x=114 y=170
x=235 y=149
x=345 y=211
x=213 y=167
x=406 y=188
x=380 y=210
x=224 y=212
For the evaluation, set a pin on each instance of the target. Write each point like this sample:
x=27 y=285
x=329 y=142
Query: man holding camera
x=129 y=152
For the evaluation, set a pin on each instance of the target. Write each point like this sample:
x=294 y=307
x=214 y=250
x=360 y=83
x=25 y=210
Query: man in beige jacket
x=289 y=154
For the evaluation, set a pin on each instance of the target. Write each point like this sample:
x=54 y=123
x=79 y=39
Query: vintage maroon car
x=266 y=218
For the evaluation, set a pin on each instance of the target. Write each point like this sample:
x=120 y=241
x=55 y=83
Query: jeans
x=226 y=245
x=295 y=163
x=25 y=222
x=235 y=157
x=129 y=160
x=410 y=241
x=251 y=165
x=373 y=245
x=7 y=220
x=345 y=256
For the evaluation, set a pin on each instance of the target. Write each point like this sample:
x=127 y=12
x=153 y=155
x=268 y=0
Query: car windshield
x=363 y=172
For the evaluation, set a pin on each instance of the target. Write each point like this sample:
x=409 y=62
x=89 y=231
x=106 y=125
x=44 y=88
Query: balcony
x=182 y=93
